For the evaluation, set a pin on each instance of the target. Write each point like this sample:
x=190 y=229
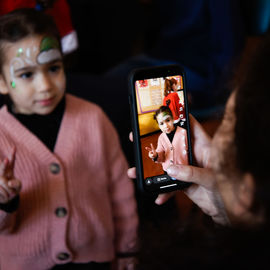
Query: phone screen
x=162 y=129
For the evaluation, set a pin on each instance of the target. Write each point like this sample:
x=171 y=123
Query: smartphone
x=160 y=125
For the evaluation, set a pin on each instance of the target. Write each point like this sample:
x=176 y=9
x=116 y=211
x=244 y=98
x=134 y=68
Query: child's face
x=165 y=122
x=174 y=87
x=33 y=75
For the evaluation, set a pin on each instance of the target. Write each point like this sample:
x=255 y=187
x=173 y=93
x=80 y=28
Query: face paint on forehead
x=19 y=52
x=163 y=117
x=49 y=51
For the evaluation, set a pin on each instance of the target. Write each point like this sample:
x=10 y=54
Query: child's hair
x=163 y=109
x=168 y=86
x=22 y=23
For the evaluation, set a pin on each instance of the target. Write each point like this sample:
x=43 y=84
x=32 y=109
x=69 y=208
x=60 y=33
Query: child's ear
x=3 y=85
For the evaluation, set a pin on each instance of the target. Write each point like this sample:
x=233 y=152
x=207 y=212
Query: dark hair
x=168 y=86
x=252 y=128
x=161 y=110
x=22 y=23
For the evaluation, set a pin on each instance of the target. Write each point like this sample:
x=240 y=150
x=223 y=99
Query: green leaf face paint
x=49 y=51
x=165 y=114
x=13 y=84
x=49 y=43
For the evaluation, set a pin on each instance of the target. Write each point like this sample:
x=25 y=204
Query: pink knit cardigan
x=90 y=183
x=175 y=152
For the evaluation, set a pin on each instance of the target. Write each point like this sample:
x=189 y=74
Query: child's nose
x=43 y=83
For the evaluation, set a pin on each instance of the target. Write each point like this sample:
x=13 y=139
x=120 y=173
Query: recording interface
x=162 y=127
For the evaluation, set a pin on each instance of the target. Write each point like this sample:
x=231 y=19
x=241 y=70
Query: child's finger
x=10 y=164
x=12 y=158
x=15 y=184
x=152 y=147
x=148 y=149
x=3 y=166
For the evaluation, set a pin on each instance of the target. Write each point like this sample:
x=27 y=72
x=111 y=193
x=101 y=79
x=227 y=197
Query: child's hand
x=151 y=151
x=9 y=186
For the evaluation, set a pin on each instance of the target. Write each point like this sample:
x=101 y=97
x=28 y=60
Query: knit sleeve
x=122 y=194
x=160 y=150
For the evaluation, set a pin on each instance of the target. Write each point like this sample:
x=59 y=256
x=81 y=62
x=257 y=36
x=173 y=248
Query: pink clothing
x=175 y=152
x=86 y=175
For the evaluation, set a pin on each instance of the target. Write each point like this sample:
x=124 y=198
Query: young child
x=172 y=145
x=65 y=199
x=171 y=98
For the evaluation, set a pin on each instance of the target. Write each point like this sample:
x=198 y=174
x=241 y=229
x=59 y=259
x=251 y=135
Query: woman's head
x=32 y=71
x=252 y=127
x=164 y=118
x=241 y=146
x=169 y=86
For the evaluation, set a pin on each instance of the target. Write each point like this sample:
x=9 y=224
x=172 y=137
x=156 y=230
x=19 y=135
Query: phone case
x=146 y=78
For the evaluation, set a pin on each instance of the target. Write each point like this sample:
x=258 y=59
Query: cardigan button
x=61 y=212
x=55 y=168
x=62 y=256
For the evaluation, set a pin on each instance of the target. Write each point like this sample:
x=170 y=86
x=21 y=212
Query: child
x=171 y=98
x=66 y=202
x=172 y=143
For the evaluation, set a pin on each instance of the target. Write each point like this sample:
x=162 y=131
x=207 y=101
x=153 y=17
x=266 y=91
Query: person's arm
x=123 y=202
x=203 y=191
x=201 y=143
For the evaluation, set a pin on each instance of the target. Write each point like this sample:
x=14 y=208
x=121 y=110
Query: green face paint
x=49 y=51
x=19 y=52
x=13 y=84
x=49 y=43
x=165 y=114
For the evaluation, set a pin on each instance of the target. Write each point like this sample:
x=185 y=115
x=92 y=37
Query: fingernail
x=158 y=201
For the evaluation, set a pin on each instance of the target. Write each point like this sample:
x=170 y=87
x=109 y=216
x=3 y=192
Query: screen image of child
x=172 y=145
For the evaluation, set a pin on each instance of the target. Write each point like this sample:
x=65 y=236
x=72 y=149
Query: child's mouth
x=45 y=102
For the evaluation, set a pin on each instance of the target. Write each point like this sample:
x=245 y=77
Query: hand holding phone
x=160 y=120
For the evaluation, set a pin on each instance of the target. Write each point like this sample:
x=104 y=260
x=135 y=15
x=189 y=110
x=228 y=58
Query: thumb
x=201 y=176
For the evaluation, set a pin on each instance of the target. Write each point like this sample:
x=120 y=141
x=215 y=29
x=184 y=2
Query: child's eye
x=54 y=68
x=26 y=75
